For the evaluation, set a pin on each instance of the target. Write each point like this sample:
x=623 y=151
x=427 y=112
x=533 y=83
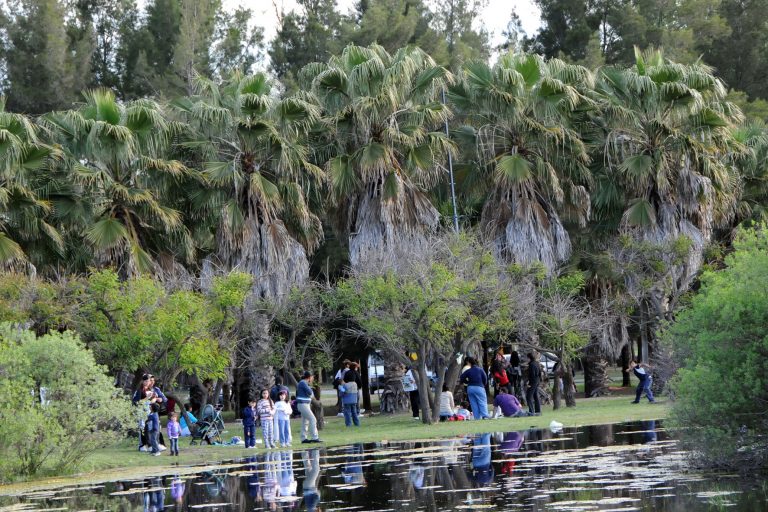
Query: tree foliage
x=58 y=403
x=719 y=341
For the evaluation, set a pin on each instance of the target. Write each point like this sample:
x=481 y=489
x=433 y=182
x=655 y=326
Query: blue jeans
x=350 y=415
x=153 y=434
x=644 y=385
x=249 y=433
x=174 y=446
x=284 y=431
x=479 y=401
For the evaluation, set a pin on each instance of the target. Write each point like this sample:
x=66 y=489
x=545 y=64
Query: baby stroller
x=205 y=431
x=209 y=427
x=212 y=414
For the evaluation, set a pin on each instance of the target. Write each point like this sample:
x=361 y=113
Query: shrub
x=722 y=343
x=58 y=405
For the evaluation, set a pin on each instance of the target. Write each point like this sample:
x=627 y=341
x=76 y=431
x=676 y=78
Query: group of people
x=507 y=376
x=348 y=384
x=274 y=417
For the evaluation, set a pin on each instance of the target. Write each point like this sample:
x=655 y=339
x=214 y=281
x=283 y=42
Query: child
x=249 y=424
x=266 y=410
x=463 y=412
x=174 y=431
x=153 y=428
x=283 y=411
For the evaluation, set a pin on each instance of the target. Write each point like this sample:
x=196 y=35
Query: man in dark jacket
x=534 y=379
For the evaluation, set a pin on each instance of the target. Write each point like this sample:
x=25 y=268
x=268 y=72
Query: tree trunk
x=426 y=413
x=316 y=406
x=366 y=383
x=595 y=372
x=393 y=399
x=626 y=356
x=227 y=389
x=556 y=395
x=568 y=385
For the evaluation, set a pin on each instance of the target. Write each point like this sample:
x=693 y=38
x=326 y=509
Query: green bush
x=721 y=341
x=58 y=405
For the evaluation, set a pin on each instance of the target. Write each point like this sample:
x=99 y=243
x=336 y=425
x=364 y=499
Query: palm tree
x=522 y=115
x=254 y=149
x=117 y=156
x=382 y=118
x=25 y=234
x=666 y=179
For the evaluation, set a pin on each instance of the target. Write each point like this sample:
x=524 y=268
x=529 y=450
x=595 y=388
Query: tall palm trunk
x=381 y=228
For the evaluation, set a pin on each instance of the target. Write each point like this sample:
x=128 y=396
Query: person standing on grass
x=153 y=428
x=249 y=424
x=266 y=411
x=349 y=399
x=174 y=432
x=283 y=412
x=303 y=403
x=412 y=388
x=476 y=381
x=534 y=379
x=643 y=372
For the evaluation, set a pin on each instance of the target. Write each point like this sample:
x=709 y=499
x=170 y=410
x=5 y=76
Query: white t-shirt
x=409 y=382
x=283 y=410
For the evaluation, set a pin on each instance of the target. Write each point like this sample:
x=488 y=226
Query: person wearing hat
x=303 y=401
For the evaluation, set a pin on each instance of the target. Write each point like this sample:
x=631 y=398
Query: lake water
x=632 y=466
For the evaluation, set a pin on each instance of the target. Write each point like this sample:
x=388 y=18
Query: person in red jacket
x=500 y=378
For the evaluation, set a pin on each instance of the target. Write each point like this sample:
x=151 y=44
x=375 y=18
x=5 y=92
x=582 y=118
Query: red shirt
x=501 y=378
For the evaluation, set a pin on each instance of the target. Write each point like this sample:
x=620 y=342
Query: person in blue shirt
x=476 y=380
x=304 y=397
x=643 y=372
x=249 y=424
x=153 y=428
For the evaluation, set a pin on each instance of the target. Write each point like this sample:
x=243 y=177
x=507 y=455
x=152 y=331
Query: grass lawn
x=123 y=461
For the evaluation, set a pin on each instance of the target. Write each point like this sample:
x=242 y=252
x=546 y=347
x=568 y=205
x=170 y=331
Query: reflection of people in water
x=311 y=459
x=416 y=475
x=154 y=500
x=269 y=483
x=253 y=479
x=482 y=470
x=509 y=446
x=177 y=491
x=287 y=481
x=353 y=469
x=649 y=434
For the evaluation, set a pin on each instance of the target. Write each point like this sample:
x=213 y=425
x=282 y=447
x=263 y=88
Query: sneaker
x=306 y=441
x=162 y=448
x=143 y=449
x=634 y=402
x=341 y=415
x=156 y=454
x=415 y=418
x=315 y=440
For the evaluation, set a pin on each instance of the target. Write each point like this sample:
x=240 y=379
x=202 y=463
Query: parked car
x=548 y=361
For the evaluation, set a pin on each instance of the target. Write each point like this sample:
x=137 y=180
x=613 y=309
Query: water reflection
x=608 y=467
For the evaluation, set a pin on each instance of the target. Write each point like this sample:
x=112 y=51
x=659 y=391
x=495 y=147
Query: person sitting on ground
x=185 y=429
x=462 y=412
x=508 y=405
x=446 y=404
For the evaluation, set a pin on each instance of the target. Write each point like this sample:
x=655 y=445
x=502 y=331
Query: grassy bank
x=123 y=461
